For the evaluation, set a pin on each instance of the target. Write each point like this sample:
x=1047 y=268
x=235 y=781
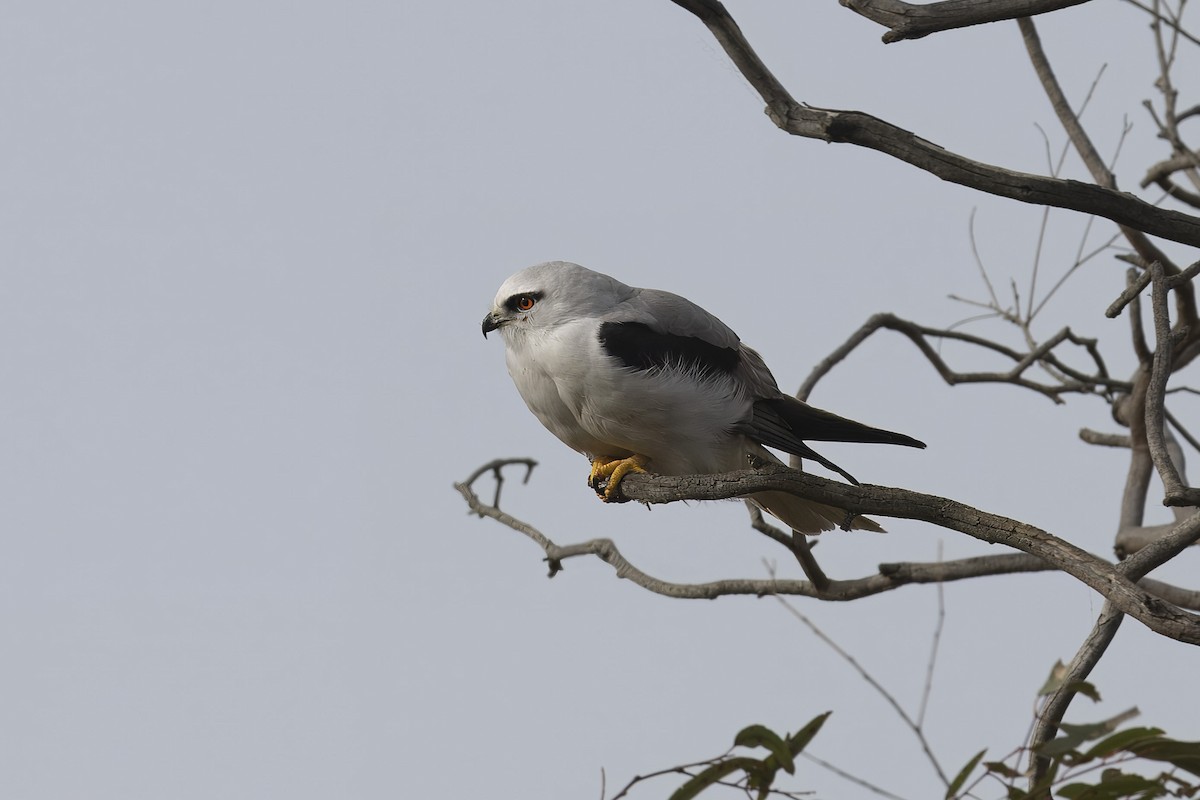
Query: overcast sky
x=245 y=250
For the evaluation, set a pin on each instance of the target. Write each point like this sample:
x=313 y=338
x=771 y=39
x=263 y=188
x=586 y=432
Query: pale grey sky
x=245 y=248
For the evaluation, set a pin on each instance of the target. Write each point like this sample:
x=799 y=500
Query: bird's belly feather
x=683 y=421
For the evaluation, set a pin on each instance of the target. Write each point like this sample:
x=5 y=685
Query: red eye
x=525 y=302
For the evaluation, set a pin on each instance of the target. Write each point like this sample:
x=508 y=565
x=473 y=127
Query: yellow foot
x=609 y=474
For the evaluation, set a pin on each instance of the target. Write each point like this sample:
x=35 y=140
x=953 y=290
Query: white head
x=550 y=294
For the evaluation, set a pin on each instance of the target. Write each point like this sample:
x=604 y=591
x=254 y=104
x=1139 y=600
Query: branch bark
x=1050 y=715
x=854 y=127
x=1100 y=575
x=914 y=21
x=890 y=576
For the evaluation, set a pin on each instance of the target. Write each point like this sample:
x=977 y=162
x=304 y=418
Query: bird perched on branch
x=642 y=380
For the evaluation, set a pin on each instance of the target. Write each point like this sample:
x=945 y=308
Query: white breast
x=680 y=420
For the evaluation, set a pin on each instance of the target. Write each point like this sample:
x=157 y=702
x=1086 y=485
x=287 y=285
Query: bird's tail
x=807 y=516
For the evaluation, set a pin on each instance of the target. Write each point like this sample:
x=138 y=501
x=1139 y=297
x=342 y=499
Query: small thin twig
x=1182 y=431
x=979 y=261
x=1078 y=383
x=1104 y=439
x=874 y=684
x=797 y=544
x=927 y=691
x=841 y=773
x=1173 y=23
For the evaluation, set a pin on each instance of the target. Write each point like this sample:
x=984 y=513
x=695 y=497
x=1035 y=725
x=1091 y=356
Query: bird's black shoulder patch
x=639 y=347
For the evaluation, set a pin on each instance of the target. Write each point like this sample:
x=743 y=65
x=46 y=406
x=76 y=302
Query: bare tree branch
x=1100 y=575
x=1112 y=582
x=855 y=127
x=914 y=21
x=1177 y=494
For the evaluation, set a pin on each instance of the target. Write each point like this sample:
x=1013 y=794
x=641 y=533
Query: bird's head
x=550 y=294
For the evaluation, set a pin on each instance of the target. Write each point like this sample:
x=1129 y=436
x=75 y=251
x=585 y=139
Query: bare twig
x=1135 y=234
x=841 y=773
x=927 y=691
x=1079 y=383
x=797 y=544
x=1104 y=439
x=1173 y=23
x=874 y=684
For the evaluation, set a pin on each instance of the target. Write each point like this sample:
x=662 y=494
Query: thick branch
x=1100 y=575
x=854 y=127
x=890 y=576
x=1093 y=648
x=1177 y=494
x=1051 y=713
x=913 y=21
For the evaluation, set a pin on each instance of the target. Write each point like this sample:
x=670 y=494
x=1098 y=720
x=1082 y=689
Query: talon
x=614 y=471
x=598 y=473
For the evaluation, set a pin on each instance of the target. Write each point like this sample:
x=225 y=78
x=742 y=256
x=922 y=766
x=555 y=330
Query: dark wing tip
x=814 y=424
x=907 y=441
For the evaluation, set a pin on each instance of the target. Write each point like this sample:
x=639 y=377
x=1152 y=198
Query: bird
x=643 y=380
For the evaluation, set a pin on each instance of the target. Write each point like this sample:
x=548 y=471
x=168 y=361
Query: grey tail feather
x=785 y=422
x=807 y=516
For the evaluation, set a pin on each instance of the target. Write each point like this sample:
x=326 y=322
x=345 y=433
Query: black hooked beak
x=490 y=323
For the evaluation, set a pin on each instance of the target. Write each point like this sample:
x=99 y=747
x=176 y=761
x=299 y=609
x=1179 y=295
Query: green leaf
x=1122 y=740
x=762 y=777
x=762 y=736
x=1075 y=735
x=707 y=777
x=963 y=774
x=1058 y=673
x=1001 y=769
x=1114 y=785
x=1185 y=755
x=800 y=739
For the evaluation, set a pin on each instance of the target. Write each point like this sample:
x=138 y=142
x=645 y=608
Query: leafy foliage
x=757 y=774
x=1083 y=752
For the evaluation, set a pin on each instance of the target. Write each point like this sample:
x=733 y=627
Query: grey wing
x=669 y=313
x=654 y=330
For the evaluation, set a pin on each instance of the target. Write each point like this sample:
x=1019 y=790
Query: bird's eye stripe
x=523 y=302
